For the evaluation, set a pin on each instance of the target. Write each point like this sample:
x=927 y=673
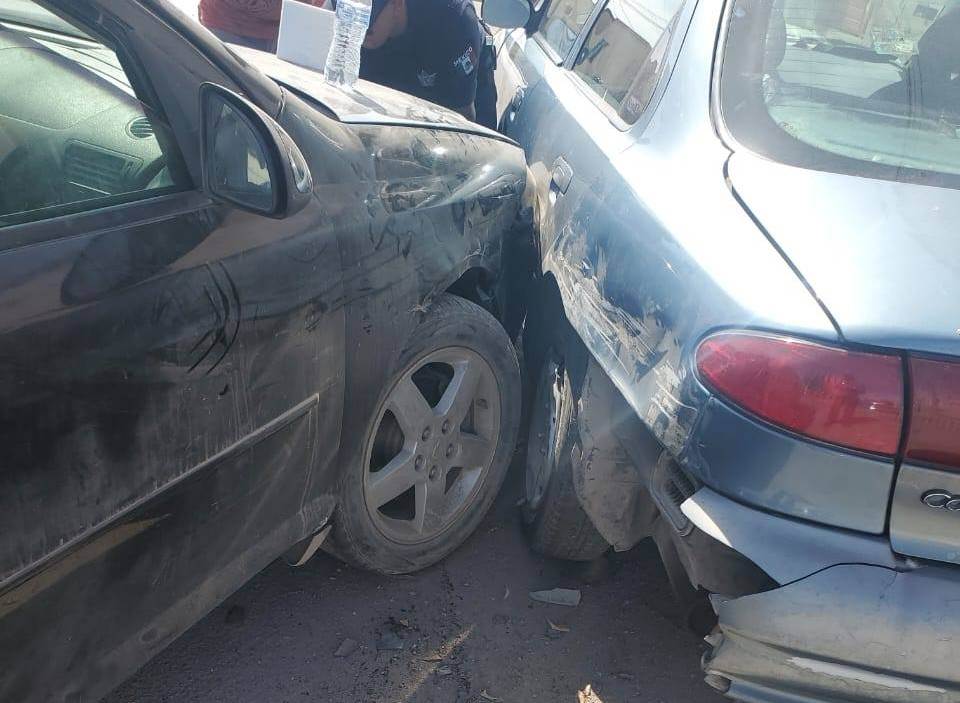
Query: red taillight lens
x=935 y=412
x=843 y=397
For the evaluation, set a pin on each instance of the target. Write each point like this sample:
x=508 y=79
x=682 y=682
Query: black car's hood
x=883 y=257
x=367 y=103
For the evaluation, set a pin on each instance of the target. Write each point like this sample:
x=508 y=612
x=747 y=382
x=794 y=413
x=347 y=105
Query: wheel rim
x=435 y=439
x=542 y=444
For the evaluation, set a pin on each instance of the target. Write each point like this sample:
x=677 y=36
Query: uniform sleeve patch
x=466 y=62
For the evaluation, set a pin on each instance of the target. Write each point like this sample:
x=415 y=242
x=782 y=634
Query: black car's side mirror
x=248 y=159
x=508 y=14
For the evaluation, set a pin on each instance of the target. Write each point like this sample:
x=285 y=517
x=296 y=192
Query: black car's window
x=623 y=55
x=73 y=133
x=562 y=22
x=871 y=88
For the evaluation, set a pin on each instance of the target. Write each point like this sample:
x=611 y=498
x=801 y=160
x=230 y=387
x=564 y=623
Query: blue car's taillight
x=849 y=398
x=934 y=435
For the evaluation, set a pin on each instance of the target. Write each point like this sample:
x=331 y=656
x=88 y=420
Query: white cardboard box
x=306 y=33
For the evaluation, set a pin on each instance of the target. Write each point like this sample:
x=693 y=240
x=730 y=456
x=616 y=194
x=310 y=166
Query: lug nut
x=433 y=473
x=419 y=463
x=426 y=434
x=451 y=450
x=445 y=427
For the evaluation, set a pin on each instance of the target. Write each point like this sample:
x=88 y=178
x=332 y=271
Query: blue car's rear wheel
x=557 y=524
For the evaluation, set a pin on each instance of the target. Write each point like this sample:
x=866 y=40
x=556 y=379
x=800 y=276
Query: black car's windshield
x=28 y=13
x=871 y=88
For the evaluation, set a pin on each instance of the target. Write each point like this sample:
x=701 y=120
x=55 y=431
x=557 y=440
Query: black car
x=237 y=315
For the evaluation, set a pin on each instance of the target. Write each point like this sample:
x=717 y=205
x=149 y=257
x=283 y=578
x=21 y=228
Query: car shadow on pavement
x=463 y=631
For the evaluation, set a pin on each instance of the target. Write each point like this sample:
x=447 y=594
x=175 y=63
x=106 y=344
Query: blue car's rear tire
x=557 y=525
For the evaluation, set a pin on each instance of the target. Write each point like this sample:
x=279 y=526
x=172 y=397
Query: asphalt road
x=468 y=630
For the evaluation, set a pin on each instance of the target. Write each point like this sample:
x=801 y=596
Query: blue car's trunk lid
x=882 y=257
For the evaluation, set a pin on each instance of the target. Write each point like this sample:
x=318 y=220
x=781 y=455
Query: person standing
x=253 y=23
x=437 y=50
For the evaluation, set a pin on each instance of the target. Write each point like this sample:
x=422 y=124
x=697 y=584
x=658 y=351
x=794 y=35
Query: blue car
x=745 y=332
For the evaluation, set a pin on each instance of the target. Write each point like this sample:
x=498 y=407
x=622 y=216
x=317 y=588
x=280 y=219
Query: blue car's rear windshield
x=870 y=88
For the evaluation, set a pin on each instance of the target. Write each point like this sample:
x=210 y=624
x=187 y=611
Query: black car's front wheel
x=436 y=451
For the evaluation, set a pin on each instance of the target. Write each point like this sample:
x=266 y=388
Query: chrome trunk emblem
x=941 y=500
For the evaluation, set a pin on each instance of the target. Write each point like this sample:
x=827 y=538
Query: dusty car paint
x=176 y=389
x=370 y=103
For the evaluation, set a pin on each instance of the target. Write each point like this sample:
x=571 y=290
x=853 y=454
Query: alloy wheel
x=435 y=439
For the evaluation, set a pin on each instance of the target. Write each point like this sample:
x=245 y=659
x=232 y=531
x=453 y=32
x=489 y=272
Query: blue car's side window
x=562 y=23
x=623 y=55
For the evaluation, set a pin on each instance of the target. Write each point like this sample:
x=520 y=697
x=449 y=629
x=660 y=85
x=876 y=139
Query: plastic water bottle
x=343 y=61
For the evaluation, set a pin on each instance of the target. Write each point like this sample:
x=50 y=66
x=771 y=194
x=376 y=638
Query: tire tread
x=560 y=527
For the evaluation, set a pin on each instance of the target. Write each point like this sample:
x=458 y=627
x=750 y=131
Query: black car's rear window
x=868 y=87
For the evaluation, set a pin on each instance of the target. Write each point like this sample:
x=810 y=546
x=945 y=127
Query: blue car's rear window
x=870 y=88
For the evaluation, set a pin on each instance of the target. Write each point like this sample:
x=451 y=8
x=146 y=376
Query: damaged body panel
x=850 y=632
x=178 y=374
x=710 y=181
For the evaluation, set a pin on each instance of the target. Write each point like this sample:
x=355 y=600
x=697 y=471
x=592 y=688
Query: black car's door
x=170 y=367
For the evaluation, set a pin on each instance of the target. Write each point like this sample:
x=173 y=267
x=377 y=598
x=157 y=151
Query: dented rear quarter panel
x=648 y=248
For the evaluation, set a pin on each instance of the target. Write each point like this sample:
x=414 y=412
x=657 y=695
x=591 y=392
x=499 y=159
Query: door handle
x=561 y=175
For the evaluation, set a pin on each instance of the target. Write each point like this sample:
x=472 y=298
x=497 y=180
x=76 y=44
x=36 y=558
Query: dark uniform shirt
x=436 y=58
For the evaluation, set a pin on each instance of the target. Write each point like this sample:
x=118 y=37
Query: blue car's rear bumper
x=884 y=630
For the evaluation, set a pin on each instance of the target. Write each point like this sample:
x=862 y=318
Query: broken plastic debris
x=506 y=592
x=311 y=549
x=487 y=697
x=557 y=628
x=588 y=696
x=558 y=596
x=389 y=642
x=346 y=648
x=444 y=671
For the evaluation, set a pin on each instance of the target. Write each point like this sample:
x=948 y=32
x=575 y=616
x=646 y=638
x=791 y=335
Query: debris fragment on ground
x=555 y=631
x=558 y=596
x=390 y=642
x=346 y=648
x=588 y=696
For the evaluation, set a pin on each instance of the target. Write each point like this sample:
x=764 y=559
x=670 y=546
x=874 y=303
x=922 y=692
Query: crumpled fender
x=852 y=632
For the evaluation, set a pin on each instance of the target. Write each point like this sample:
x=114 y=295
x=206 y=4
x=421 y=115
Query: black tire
x=557 y=525
x=450 y=323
